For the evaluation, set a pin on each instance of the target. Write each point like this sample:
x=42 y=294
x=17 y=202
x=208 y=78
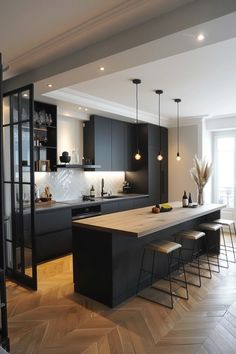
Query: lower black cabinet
x=53 y=233
x=53 y=245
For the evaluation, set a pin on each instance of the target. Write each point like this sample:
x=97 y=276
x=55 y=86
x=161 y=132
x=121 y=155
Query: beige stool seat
x=209 y=226
x=163 y=246
x=224 y=222
x=191 y=234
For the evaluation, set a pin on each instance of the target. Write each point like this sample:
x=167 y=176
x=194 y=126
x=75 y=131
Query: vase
x=200 y=198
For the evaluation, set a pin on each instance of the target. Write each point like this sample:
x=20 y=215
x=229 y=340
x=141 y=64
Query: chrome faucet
x=102 y=189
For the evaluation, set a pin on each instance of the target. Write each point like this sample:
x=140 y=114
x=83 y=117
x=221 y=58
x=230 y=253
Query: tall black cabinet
x=148 y=175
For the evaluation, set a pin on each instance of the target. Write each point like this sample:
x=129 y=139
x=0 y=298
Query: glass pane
x=16 y=152
x=7 y=153
x=26 y=196
x=28 y=262
x=25 y=152
x=6 y=110
x=7 y=211
x=225 y=171
x=15 y=108
x=9 y=255
x=19 y=266
x=25 y=114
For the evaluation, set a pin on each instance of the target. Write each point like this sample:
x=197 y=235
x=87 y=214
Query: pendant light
x=159 y=93
x=177 y=101
x=137 y=155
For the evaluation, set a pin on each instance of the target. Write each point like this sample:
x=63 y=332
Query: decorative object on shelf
x=42 y=166
x=177 y=101
x=201 y=173
x=65 y=157
x=42 y=119
x=159 y=93
x=46 y=196
x=137 y=153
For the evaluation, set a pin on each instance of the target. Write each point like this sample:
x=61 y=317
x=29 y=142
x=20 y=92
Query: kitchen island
x=107 y=249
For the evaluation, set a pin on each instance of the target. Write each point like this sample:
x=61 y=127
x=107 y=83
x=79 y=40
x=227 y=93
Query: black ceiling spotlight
x=177 y=101
x=159 y=93
x=137 y=155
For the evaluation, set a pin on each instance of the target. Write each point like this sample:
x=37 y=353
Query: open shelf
x=63 y=165
x=45 y=137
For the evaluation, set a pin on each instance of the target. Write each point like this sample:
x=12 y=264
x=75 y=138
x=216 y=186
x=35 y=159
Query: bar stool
x=194 y=236
x=213 y=227
x=229 y=223
x=168 y=248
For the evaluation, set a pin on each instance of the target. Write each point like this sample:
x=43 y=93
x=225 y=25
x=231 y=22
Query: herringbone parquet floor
x=54 y=320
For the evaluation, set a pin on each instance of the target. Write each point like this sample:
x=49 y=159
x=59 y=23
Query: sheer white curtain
x=224 y=155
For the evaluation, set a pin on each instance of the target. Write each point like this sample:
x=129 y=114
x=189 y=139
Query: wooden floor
x=54 y=320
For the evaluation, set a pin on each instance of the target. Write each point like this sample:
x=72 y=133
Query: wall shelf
x=77 y=166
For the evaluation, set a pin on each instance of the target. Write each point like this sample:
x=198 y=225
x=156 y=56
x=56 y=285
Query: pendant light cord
x=159 y=112
x=137 y=132
x=177 y=127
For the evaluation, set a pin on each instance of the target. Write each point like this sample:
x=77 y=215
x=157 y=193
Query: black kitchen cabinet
x=148 y=175
x=117 y=145
x=53 y=233
x=97 y=142
x=108 y=142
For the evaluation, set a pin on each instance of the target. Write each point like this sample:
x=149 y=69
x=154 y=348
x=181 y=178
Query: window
x=224 y=168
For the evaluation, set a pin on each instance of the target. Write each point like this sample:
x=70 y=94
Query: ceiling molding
x=76 y=32
x=106 y=106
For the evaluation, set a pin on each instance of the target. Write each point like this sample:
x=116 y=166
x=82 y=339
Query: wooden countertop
x=141 y=222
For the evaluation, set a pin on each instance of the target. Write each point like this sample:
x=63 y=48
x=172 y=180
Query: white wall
x=179 y=176
x=69 y=136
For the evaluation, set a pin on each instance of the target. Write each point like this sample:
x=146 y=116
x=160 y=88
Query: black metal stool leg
x=140 y=272
x=226 y=256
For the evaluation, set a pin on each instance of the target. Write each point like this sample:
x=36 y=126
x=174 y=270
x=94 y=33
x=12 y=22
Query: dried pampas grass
x=201 y=171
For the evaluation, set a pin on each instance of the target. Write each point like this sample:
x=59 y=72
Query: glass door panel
x=19 y=186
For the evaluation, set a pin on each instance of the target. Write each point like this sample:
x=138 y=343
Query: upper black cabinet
x=45 y=136
x=107 y=143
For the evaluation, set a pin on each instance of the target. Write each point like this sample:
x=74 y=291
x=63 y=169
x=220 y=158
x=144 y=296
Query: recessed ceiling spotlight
x=200 y=37
x=86 y=109
x=25 y=94
x=49 y=85
x=101 y=68
x=79 y=108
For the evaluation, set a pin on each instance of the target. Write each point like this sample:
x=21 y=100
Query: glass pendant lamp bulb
x=159 y=157
x=137 y=156
x=178 y=158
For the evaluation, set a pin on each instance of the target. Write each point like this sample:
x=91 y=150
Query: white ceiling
x=204 y=78
x=33 y=33
x=201 y=74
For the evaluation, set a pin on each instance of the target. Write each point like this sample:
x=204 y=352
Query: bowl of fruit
x=160 y=208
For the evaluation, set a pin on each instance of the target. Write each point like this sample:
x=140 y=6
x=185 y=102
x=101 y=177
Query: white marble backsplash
x=68 y=184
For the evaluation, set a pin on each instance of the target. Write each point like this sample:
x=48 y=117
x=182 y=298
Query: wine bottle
x=190 y=202
x=185 y=200
x=92 y=191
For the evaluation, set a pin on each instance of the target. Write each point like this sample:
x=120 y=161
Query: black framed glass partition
x=4 y=340
x=18 y=186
